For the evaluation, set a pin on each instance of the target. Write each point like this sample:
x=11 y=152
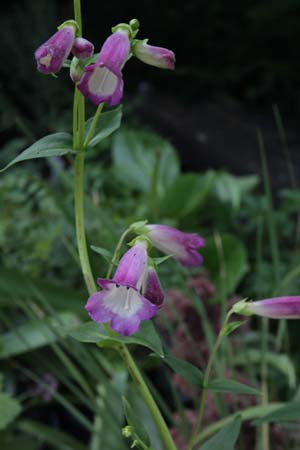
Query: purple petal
x=152 y=290
x=132 y=265
x=182 y=246
x=276 y=308
x=51 y=55
x=125 y=326
x=154 y=56
x=96 y=308
x=148 y=310
x=115 y=51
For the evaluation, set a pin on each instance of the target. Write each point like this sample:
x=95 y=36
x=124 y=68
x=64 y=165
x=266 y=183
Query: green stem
x=206 y=382
x=93 y=125
x=147 y=396
x=79 y=222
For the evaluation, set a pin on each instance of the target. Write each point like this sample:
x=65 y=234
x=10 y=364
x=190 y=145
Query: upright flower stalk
x=78 y=143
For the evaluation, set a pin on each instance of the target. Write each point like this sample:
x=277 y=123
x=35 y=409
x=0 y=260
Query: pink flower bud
x=274 y=308
x=82 y=48
x=51 y=55
x=154 y=56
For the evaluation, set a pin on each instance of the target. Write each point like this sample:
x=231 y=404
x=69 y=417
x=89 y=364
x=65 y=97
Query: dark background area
x=235 y=61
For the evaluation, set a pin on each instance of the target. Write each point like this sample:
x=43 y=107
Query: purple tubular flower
x=276 y=308
x=82 y=48
x=120 y=301
x=103 y=81
x=152 y=288
x=182 y=246
x=154 y=56
x=51 y=55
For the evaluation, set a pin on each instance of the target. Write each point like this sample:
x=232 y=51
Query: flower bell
x=51 y=55
x=103 y=81
x=82 y=48
x=182 y=246
x=274 y=308
x=154 y=56
x=120 y=302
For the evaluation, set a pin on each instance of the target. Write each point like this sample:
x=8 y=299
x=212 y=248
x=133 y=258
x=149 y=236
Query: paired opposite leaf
x=226 y=438
x=52 y=145
x=94 y=332
x=108 y=122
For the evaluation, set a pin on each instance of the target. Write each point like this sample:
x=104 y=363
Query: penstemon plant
x=132 y=295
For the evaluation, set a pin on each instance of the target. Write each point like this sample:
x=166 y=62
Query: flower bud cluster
x=100 y=80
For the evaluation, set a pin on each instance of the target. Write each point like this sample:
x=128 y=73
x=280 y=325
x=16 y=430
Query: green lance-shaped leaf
x=226 y=438
x=291 y=411
x=9 y=410
x=232 y=386
x=188 y=371
x=57 y=144
x=95 y=332
x=108 y=123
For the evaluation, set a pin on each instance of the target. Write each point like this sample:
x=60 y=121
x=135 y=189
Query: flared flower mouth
x=123 y=306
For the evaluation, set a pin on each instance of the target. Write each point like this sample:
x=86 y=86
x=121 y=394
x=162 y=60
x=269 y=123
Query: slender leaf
x=226 y=438
x=57 y=144
x=291 y=411
x=108 y=122
x=226 y=385
x=184 y=368
x=54 y=438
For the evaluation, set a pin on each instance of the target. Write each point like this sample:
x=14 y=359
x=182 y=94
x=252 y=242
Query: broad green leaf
x=188 y=371
x=226 y=385
x=280 y=362
x=230 y=188
x=291 y=411
x=94 y=332
x=57 y=144
x=187 y=193
x=9 y=409
x=139 y=157
x=36 y=333
x=226 y=260
x=226 y=438
x=54 y=438
x=134 y=421
x=108 y=122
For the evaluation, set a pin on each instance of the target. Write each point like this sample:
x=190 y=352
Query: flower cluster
x=99 y=79
x=134 y=293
